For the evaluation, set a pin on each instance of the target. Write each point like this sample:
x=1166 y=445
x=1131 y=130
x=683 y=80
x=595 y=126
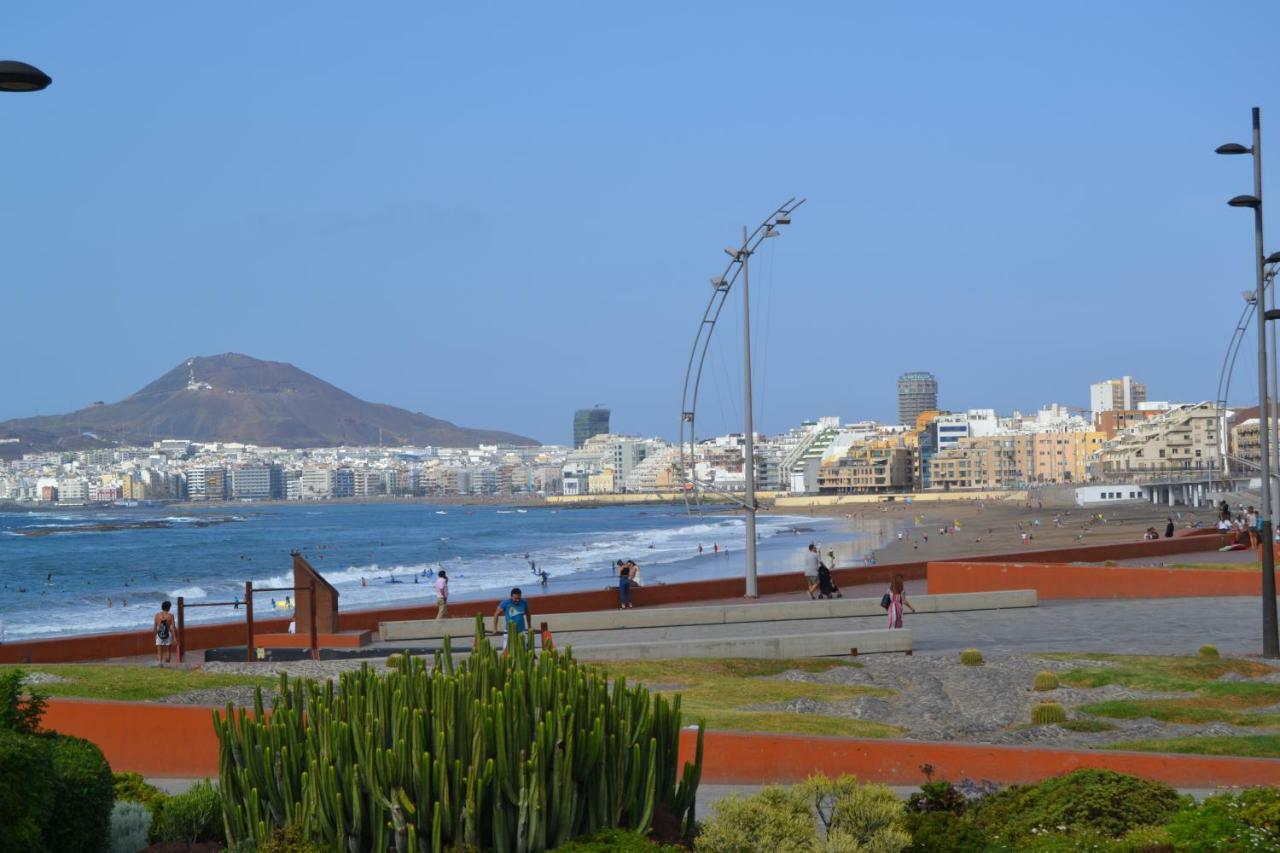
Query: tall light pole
x=1270 y=637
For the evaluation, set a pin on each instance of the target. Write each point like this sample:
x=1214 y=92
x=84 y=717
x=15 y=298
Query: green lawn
x=720 y=690
x=1249 y=746
x=134 y=683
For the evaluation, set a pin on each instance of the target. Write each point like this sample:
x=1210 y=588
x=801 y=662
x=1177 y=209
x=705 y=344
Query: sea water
x=73 y=571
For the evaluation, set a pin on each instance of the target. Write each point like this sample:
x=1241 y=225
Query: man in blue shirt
x=516 y=611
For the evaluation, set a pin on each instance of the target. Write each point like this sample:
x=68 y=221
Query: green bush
x=937 y=797
x=26 y=790
x=1046 y=680
x=131 y=787
x=83 y=793
x=944 y=832
x=20 y=708
x=616 y=841
x=1208 y=651
x=291 y=839
x=1249 y=820
x=971 y=657
x=194 y=815
x=1044 y=713
x=820 y=815
x=1097 y=801
x=130 y=827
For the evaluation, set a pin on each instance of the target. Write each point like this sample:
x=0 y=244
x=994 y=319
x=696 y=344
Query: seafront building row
x=941 y=451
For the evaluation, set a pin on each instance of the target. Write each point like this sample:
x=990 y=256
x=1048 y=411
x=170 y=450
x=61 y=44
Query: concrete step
x=716 y=614
x=783 y=646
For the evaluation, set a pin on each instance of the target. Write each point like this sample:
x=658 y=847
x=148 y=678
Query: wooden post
x=182 y=628
x=248 y=620
x=315 y=648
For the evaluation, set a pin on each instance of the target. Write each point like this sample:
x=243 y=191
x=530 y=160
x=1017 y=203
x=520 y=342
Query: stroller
x=826 y=584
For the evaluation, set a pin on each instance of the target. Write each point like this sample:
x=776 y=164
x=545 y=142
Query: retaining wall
x=1051 y=580
x=178 y=741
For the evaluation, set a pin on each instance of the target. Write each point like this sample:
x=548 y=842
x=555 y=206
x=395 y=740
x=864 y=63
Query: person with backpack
x=894 y=600
x=164 y=630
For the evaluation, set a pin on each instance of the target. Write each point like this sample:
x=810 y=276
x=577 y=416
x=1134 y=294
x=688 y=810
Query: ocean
x=84 y=570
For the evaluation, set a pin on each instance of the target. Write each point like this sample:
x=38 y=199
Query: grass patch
x=134 y=683
x=1203 y=710
x=1248 y=746
x=1088 y=726
x=723 y=691
x=1214 y=567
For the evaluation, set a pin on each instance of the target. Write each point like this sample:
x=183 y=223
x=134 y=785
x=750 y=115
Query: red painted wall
x=1068 y=581
x=178 y=741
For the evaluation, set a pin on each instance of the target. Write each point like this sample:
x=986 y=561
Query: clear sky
x=496 y=213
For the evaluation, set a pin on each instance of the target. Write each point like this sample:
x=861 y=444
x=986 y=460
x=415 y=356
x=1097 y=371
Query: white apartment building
x=1124 y=394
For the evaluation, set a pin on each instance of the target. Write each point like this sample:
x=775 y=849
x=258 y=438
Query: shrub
x=291 y=839
x=194 y=815
x=1046 y=680
x=616 y=841
x=1044 y=713
x=20 y=708
x=1208 y=651
x=820 y=815
x=26 y=790
x=1249 y=820
x=130 y=827
x=131 y=787
x=944 y=832
x=937 y=797
x=82 y=796
x=971 y=657
x=1099 y=801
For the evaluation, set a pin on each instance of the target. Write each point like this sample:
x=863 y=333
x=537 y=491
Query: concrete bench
x=777 y=647
x=716 y=614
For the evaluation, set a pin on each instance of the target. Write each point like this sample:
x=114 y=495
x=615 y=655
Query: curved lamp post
x=1270 y=637
x=20 y=77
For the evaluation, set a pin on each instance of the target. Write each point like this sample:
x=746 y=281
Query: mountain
x=233 y=397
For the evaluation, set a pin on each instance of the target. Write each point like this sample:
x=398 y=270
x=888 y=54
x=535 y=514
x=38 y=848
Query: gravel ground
x=939 y=699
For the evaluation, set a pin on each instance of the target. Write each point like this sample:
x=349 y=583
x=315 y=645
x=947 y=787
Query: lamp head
x=772 y=232
x=718 y=282
x=1273 y=258
x=1245 y=201
x=1251 y=297
x=1232 y=148
x=783 y=219
x=736 y=254
x=21 y=77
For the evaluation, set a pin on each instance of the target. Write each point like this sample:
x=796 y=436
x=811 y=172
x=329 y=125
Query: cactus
x=1046 y=680
x=971 y=657
x=1207 y=651
x=394 y=660
x=1044 y=713
x=495 y=751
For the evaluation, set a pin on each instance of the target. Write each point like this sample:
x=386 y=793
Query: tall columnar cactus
x=501 y=752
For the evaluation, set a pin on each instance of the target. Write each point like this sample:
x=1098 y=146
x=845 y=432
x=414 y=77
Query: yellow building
x=987 y=462
x=601 y=483
x=872 y=467
x=1063 y=457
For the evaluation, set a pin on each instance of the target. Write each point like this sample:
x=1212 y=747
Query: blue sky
x=496 y=213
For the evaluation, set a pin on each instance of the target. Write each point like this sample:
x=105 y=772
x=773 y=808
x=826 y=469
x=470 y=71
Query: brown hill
x=233 y=397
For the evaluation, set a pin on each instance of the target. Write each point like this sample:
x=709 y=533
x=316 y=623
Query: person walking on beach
x=516 y=611
x=812 y=565
x=897 y=601
x=624 y=586
x=162 y=624
x=442 y=595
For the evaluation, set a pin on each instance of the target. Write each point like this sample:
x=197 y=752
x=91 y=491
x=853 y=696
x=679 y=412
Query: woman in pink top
x=897 y=601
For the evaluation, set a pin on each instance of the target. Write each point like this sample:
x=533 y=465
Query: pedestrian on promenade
x=826 y=584
x=633 y=572
x=1168 y=528
x=516 y=611
x=897 y=601
x=624 y=586
x=812 y=563
x=162 y=624
x=442 y=595
x=1251 y=525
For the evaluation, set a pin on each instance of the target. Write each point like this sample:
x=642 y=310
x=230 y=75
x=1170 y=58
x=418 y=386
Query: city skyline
x=441 y=234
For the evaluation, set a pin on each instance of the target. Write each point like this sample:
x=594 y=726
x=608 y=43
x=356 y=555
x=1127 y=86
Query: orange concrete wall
x=128 y=644
x=1070 y=581
x=178 y=741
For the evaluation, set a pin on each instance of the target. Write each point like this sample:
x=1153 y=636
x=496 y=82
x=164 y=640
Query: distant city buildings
x=1116 y=394
x=917 y=393
x=588 y=423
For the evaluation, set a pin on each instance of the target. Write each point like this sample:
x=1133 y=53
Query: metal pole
x=749 y=448
x=248 y=620
x=182 y=625
x=1270 y=639
x=315 y=645
x=1270 y=282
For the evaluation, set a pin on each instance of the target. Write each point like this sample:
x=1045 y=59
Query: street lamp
x=20 y=77
x=1270 y=637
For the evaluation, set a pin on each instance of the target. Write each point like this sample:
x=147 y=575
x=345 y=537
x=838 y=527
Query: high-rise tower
x=917 y=392
x=589 y=422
